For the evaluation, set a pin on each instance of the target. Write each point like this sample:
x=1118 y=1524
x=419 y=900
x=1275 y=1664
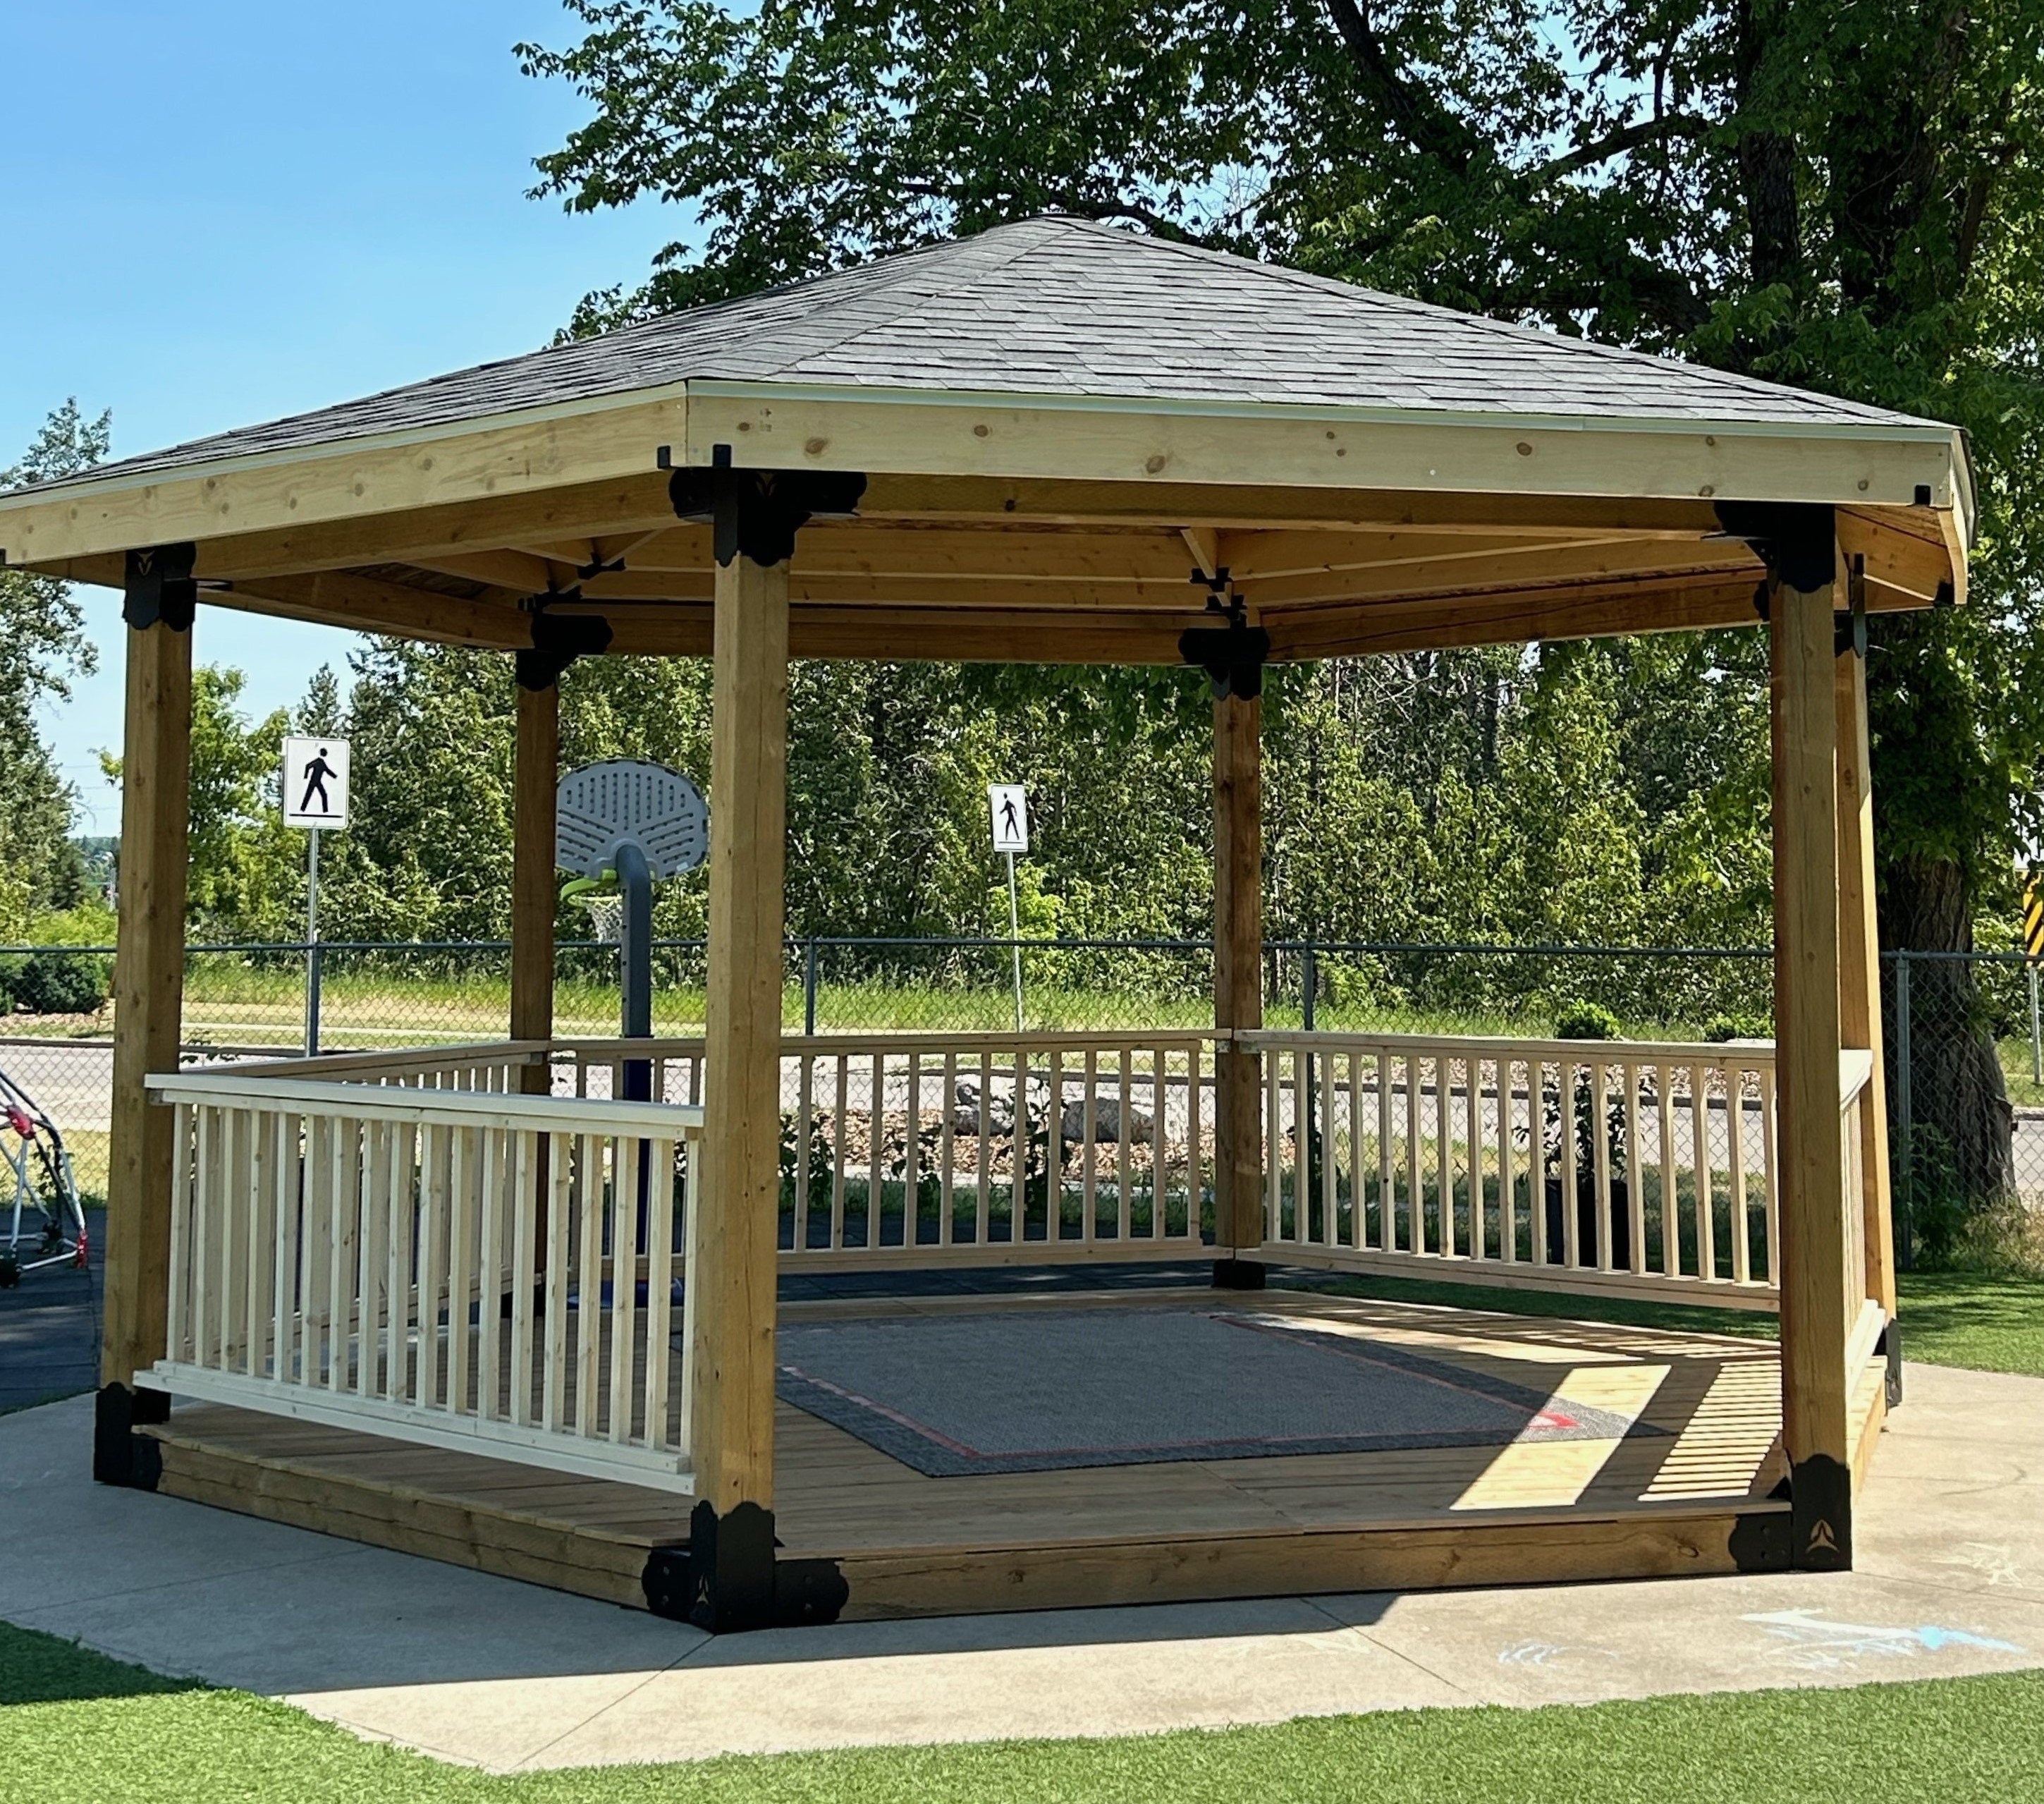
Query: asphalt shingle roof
x=1059 y=306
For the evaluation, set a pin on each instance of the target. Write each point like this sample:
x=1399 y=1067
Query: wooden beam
x=631 y=505
x=1018 y=636
x=1576 y=611
x=793 y=426
x=1815 y=1387
x=734 y=1210
x=1213 y=507
x=525 y=454
x=1530 y=567
x=149 y=995
x=363 y=604
x=518 y=573
x=535 y=773
x=1859 y=970
x=1901 y=551
x=1238 y=953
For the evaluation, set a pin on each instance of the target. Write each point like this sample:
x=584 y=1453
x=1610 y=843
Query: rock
x=1106 y=1122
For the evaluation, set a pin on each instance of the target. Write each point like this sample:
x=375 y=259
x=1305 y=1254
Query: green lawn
x=1949 y=1318
x=78 y=1729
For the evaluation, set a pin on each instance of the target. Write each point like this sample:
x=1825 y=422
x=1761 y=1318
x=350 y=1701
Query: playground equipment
x=640 y=820
x=45 y=1213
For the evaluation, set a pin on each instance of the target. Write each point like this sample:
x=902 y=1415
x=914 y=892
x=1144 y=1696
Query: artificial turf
x=76 y=1728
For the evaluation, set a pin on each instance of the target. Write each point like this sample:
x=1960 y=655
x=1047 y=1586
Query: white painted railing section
x=458 y=1267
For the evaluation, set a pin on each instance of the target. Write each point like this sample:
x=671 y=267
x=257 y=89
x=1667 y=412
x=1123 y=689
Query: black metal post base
x=120 y=1455
x=1891 y=1344
x=1239 y=1274
x=729 y=1579
x=1820 y=1515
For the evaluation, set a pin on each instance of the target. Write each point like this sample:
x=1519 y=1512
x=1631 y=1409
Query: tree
x=1848 y=198
x=244 y=868
x=42 y=646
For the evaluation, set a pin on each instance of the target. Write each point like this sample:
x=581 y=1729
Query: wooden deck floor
x=1694 y=1499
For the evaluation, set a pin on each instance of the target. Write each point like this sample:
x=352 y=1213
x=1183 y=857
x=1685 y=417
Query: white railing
x=909 y=1147
x=1625 y=1166
x=461 y=1268
x=1863 y=1315
x=492 y=1068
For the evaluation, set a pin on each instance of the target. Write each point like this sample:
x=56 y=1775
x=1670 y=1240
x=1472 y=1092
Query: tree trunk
x=1963 y=1151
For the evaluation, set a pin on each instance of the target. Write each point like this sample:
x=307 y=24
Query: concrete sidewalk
x=506 y=1676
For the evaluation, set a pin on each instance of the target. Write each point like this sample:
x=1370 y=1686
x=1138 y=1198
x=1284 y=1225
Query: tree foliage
x=1846 y=198
x=42 y=647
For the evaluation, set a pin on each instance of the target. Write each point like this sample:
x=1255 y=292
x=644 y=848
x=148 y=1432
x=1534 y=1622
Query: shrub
x=1721 y=1028
x=56 y=982
x=1585 y=1021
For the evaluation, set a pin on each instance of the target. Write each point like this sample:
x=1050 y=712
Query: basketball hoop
x=606 y=918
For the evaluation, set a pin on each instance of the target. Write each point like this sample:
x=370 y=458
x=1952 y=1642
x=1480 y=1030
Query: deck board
x=911 y=1543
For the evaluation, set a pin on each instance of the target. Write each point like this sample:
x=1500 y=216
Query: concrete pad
x=1957 y=1502
x=1108 y=1673
x=1587 y=1644
x=487 y=1670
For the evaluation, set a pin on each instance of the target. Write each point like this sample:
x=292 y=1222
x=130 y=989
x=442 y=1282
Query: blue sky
x=223 y=211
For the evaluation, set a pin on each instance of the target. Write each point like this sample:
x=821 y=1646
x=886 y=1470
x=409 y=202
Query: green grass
x=78 y=1729
x=1986 y=1323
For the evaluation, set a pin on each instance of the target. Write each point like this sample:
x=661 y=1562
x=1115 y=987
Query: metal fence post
x=809 y=987
x=1903 y=1139
x=2036 y=1033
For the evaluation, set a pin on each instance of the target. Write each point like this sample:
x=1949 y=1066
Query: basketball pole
x=1015 y=940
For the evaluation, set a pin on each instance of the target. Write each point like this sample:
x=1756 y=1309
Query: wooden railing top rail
x=443 y=1108
x=1750 y=1054
x=1175 y=1038
x=407 y=1059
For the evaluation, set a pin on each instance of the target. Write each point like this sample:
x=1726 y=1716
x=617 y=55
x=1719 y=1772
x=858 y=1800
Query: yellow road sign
x=2033 y=920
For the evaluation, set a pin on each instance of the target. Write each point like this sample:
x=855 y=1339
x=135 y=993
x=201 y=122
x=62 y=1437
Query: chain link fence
x=1964 y=1058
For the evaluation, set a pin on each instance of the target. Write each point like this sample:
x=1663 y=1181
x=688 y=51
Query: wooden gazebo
x=399 y=1295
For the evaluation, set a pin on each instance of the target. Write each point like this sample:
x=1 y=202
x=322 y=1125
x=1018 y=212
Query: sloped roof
x=1063 y=307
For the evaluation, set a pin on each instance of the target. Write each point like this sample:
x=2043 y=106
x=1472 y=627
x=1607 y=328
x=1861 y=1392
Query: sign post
x=1008 y=808
x=315 y=796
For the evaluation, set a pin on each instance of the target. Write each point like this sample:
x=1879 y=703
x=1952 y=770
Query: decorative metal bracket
x=161 y=588
x=1796 y=541
x=1233 y=655
x=558 y=640
x=1849 y=624
x=757 y=513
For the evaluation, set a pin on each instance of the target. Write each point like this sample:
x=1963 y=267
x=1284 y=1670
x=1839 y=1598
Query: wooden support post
x=148 y=996
x=535 y=774
x=733 y=1238
x=1859 y=975
x=1815 y=1390
x=1238 y=952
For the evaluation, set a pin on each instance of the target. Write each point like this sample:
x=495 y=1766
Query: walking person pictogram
x=1010 y=827
x=316 y=773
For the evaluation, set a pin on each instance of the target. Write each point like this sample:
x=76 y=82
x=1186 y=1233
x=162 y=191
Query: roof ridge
x=862 y=328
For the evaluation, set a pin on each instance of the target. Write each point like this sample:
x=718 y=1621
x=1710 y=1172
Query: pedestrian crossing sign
x=315 y=783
